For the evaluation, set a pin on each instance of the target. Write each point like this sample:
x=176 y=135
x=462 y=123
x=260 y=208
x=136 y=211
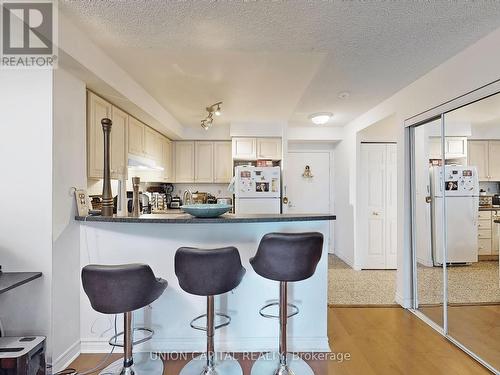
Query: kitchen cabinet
x=204 y=162
x=488 y=238
x=454 y=147
x=166 y=162
x=269 y=148
x=184 y=161
x=152 y=144
x=223 y=163
x=118 y=143
x=478 y=157
x=244 y=148
x=97 y=109
x=136 y=137
x=493 y=160
x=484 y=156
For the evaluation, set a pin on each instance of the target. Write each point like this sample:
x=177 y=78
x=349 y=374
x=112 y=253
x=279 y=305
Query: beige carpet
x=477 y=283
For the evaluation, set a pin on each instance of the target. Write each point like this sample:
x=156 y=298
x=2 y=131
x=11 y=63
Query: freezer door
x=258 y=205
x=258 y=182
x=462 y=227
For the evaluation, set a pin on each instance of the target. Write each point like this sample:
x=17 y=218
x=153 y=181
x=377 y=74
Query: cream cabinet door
x=118 y=143
x=97 y=109
x=152 y=144
x=269 y=148
x=455 y=147
x=135 y=137
x=494 y=160
x=478 y=157
x=244 y=148
x=495 y=228
x=184 y=161
x=204 y=162
x=223 y=162
x=166 y=151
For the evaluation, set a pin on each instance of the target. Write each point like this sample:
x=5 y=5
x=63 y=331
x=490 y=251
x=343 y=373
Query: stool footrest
x=113 y=341
x=202 y=328
x=295 y=310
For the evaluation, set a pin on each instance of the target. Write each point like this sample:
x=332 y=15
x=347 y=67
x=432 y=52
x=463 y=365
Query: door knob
x=285 y=200
x=428 y=199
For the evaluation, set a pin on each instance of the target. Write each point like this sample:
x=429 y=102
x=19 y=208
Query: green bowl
x=206 y=210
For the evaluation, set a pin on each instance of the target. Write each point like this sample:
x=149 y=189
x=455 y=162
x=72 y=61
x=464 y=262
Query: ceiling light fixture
x=320 y=118
x=212 y=110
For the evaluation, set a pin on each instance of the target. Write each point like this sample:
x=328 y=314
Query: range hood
x=141 y=162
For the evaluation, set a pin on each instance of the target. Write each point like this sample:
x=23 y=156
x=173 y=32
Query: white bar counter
x=153 y=239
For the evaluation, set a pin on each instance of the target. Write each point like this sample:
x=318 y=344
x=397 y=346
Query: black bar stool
x=121 y=289
x=209 y=272
x=285 y=257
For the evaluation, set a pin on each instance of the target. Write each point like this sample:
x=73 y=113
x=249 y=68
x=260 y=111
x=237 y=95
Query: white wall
x=385 y=130
x=69 y=171
x=26 y=197
x=472 y=68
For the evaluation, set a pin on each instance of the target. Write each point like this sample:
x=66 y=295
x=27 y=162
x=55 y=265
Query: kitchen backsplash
x=490 y=187
x=219 y=190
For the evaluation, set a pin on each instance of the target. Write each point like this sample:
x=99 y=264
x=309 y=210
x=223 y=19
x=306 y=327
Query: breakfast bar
x=154 y=239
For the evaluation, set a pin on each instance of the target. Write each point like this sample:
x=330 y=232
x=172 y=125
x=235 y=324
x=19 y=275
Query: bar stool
x=121 y=289
x=285 y=257
x=209 y=272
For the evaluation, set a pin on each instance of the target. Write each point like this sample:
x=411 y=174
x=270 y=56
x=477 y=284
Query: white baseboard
x=64 y=360
x=406 y=303
x=344 y=258
x=253 y=345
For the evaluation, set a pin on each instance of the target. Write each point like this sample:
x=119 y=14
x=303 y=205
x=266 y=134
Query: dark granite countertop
x=11 y=280
x=226 y=218
x=496 y=221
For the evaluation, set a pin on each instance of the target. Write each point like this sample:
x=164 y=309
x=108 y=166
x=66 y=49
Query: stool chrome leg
x=138 y=364
x=212 y=363
x=287 y=364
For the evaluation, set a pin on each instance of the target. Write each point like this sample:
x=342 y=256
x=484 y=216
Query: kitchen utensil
x=206 y=210
x=175 y=202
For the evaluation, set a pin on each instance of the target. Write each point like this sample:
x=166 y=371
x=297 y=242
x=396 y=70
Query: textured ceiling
x=280 y=60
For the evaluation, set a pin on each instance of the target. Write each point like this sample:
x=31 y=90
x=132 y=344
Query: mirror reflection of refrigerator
x=257 y=190
x=462 y=207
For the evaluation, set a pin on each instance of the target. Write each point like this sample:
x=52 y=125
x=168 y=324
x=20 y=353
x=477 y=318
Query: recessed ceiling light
x=320 y=118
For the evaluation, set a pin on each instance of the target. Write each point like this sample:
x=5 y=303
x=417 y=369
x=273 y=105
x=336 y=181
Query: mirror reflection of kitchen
x=473 y=133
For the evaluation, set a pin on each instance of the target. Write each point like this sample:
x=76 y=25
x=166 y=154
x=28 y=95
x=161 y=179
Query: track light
x=212 y=110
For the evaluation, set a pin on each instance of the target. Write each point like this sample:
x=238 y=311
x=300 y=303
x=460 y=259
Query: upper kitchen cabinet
x=244 y=148
x=136 y=137
x=223 y=163
x=493 y=160
x=97 y=109
x=204 y=162
x=484 y=155
x=256 y=148
x=269 y=148
x=184 y=161
x=152 y=144
x=478 y=157
x=454 y=147
x=166 y=162
x=118 y=143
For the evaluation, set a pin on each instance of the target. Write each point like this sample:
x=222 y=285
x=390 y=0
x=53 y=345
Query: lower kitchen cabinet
x=488 y=238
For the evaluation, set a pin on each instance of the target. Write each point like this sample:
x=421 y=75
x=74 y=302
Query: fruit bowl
x=206 y=210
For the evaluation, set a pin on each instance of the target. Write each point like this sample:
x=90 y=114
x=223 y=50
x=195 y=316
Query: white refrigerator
x=257 y=190
x=462 y=208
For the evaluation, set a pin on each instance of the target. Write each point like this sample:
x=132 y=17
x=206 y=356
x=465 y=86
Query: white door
x=378 y=204
x=307 y=194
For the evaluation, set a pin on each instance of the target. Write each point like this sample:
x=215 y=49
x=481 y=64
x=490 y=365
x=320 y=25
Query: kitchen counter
x=153 y=239
x=489 y=208
x=183 y=218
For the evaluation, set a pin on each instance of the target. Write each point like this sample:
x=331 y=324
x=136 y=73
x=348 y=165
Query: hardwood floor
x=476 y=327
x=370 y=341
